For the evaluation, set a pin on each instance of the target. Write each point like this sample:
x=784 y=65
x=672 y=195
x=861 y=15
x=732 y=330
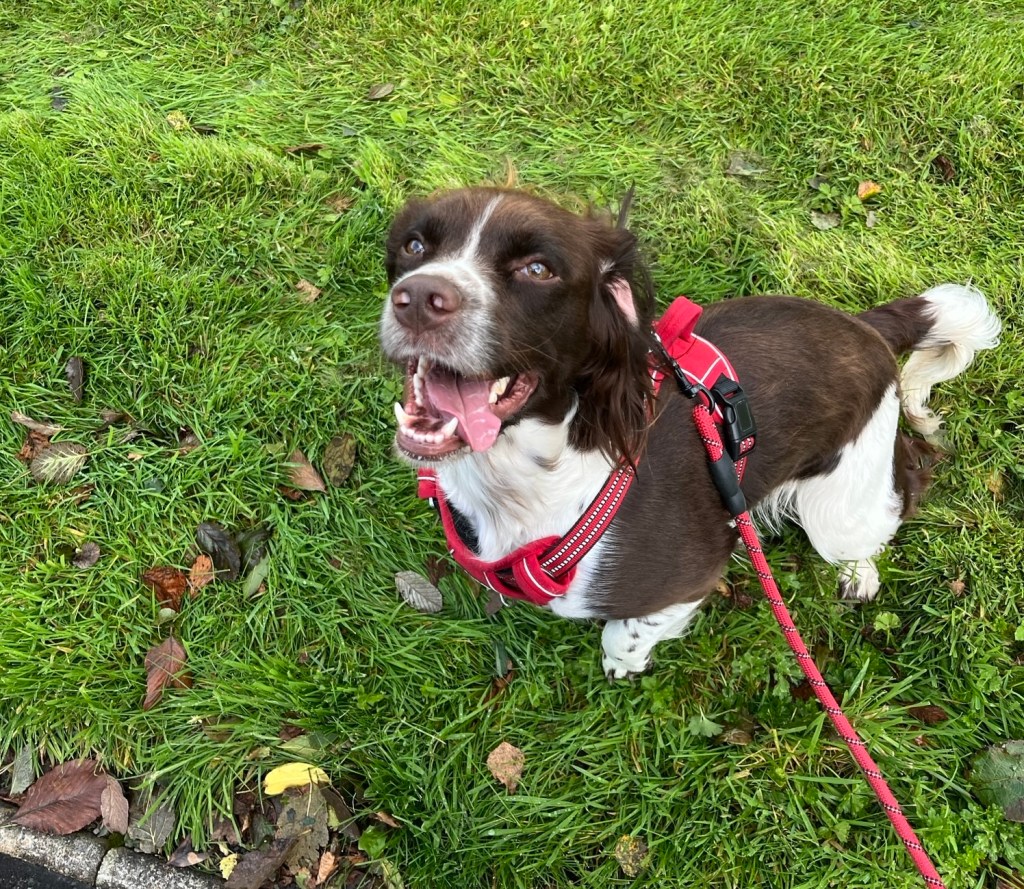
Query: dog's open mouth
x=446 y=412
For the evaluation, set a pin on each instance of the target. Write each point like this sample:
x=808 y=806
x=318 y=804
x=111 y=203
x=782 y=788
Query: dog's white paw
x=624 y=668
x=859 y=580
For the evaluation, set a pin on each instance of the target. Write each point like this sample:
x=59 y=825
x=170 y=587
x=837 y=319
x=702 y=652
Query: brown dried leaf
x=380 y=91
x=310 y=292
x=151 y=821
x=825 y=221
x=944 y=167
x=929 y=714
x=114 y=807
x=304 y=816
x=631 y=853
x=302 y=475
x=339 y=203
x=328 y=865
x=418 y=592
x=165 y=665
x=256 y=868
x=168 y=584
x=65 y=799
x=868 y=189
x=201 y=573
x=305 y=148
x=339 y=458
x=75 y=372
x=58 y=463
x=87 y=555
x=387 y=819
x=957 y=587
x=438 y=568
x=186 y=856
x=222 y=548
x=47 y=429
x=506 y=764
x=34 y=443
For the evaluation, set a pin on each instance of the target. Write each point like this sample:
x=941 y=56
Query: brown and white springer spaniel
x=524 y=330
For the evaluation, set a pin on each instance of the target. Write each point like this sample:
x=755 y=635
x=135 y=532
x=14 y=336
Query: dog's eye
x=414 y=247
x=537 y=271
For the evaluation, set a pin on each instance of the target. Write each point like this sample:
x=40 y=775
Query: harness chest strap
x=543 y=569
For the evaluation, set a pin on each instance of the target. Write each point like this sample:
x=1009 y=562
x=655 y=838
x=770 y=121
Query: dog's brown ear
x=615 y=386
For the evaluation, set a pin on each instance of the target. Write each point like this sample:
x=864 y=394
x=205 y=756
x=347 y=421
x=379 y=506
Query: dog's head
x=505 y=306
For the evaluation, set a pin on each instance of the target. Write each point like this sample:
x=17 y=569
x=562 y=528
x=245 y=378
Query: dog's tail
x=942 y=328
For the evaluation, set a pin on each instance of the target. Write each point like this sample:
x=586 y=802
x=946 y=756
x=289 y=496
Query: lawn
x=154 y=223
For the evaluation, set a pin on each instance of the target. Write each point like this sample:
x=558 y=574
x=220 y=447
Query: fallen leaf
x=871 y=219
x=58 y=463
x=302 y=475
x=997 y=773
x=738 y=736
x=47 y=429
x=293 y=774
x=221 y=547
x=868 y=189
x=944 y=167
x=328 y=865
x=23 y=771
x=929 y=714
x=150 y=826
x=418 y=592
x=495 y=602
x=339 y=203
x=188 y=441
x=994 y=482
x=304 y=816
x=65 y=799
x=342 y=817
x=310 y=292
x=254 y=869
x=114 y=807
x=75 y=372
x=380 y=91
x=506 y=764
x=816 y=181
x=256 y=577
x=165 y=665
x=228 y=864
x=305 y=148
x=292 y=494
x=957 y=587
x=252 y=545
x=35 y=442
x=385 y=818
x=186 y=856
x=201 y=573
x=631 y=853
x=168 y=584
x=438 y=568
x=825 y=221
x=87 y=555
x=58 y=98
x=339 y=458
x=744 y=165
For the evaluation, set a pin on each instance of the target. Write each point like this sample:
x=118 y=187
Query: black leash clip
x=737 y=418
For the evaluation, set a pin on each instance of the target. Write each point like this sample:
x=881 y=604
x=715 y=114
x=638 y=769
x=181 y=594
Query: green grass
x=167 y=259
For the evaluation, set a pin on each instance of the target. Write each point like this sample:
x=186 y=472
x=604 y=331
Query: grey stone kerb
x=86 y=858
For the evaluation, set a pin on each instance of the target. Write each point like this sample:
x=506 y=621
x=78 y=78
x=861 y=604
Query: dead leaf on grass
x=221 y=547
x=418 y=592
x=114 y=807
x=302 y=475
x=745 y=165
x=178 y=121
x=340 y=203
x=339 y=458
x=47 y=429
x=186 y=856
x=328 y=865
x=310 y=292
x=825 y=221
x=305 y=148
x=293 y=774
x=58 y=463
x=150 y=826
x=201 y=573
x=944 y=167
x=23 y=771
x=506 y=764
x=75 y=372
x=868 y=189
x=87 y=555
x=380 y=91
x=631 y=853
x=387 y=819
x=34 y=443
x=252 y=545
x=997 y=774
x=929 y=714
x=65 y=799
x=168 y=585
x=304 y=816
x=165 y=666
x=254 y=869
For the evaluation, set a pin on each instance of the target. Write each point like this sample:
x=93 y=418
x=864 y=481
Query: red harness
x=543 y=569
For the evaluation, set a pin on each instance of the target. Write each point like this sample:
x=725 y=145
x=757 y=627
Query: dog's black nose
x=422 y=302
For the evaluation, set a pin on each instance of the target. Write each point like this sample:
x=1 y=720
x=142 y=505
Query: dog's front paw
x=624 y=667
x=859 y=581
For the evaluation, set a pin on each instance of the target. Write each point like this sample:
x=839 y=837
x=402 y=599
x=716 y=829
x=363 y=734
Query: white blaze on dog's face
x=490 y=291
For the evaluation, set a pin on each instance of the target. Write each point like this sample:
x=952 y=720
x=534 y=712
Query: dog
x=525 y=333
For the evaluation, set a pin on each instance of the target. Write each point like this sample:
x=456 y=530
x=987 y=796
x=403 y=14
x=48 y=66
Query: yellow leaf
x=868 y=189
x=227 y=864
x=293 y=774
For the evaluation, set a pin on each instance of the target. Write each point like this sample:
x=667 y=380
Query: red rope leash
x=713 y=444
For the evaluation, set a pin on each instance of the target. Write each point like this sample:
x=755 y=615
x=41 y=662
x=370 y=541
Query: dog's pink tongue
x=468 y=401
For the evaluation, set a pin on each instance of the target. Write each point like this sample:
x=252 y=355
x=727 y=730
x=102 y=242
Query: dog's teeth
x=423 y=367
x=498 y=388
x=417 y=389
x=403 y=418
x=448 y=430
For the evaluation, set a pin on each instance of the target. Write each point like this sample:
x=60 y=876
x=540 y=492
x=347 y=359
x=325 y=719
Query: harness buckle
x=737 y=418
x=691 y=389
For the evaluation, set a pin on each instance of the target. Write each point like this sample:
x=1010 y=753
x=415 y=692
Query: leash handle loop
x=858 y=749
